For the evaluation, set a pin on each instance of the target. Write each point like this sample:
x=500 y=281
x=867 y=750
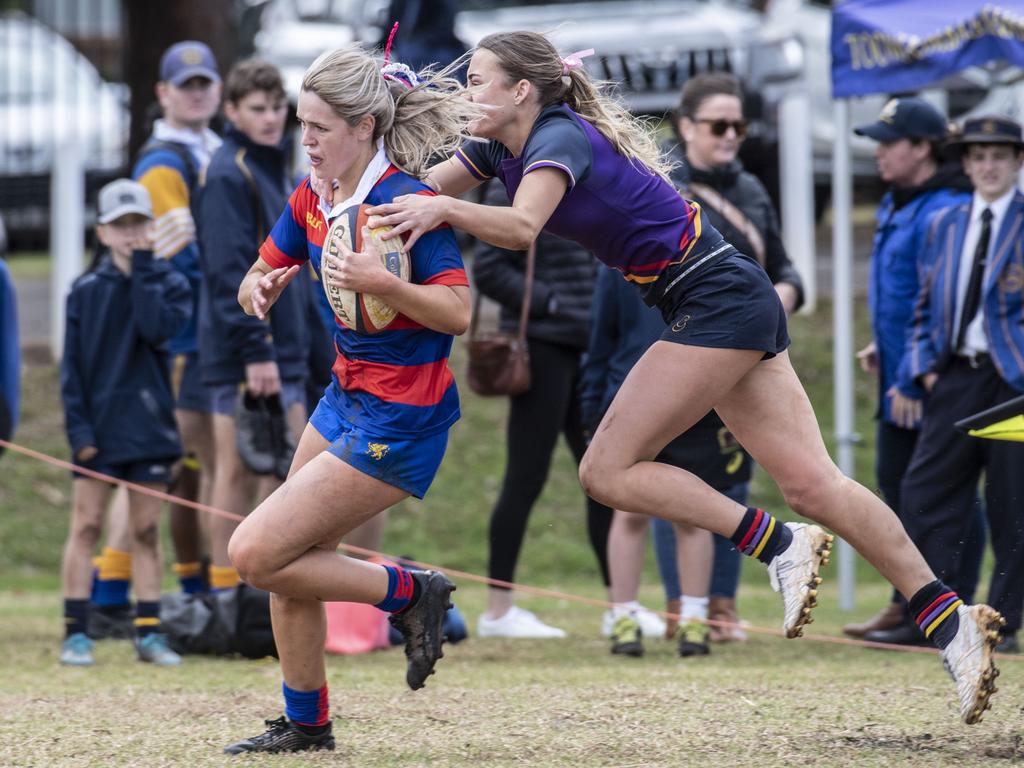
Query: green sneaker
x=693 y=639
x=76 y=651
x=627 y=637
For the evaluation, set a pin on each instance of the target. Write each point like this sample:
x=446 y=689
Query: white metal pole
x=842 y=327
x=67 y=225
x=796 y=169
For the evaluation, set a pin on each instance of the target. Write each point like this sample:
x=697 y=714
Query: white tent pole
x=842 y=326
x=796 y=170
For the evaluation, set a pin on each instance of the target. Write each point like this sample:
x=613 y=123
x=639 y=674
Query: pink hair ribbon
x=387 y=48
x=575 y=60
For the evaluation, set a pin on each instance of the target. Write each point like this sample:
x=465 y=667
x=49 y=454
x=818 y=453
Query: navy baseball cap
x=906 y=118
x=186 y=59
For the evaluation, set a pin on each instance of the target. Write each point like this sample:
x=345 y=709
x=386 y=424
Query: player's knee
x=249 y=559
x=596 y=479
x=87 y=532
x=146 y=536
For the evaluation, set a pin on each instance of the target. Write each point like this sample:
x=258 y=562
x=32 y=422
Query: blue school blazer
x=1002 y=298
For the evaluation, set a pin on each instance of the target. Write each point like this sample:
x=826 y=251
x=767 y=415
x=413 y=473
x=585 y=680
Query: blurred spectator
x=10 y=355
x=967 y=354
x=557 y=333
x=711 y=126
x=910 y=133
x=169 y=165
x=118 y=409
x=426 y=33
x=245 y=187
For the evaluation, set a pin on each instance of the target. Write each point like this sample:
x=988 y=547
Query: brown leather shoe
x=724 y=609
x=890 y=617
x=672 y=622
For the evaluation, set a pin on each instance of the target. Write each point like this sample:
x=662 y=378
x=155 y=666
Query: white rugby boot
x=968 y=659
x=794 y=574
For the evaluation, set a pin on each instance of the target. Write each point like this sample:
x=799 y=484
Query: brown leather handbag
x=499 y=363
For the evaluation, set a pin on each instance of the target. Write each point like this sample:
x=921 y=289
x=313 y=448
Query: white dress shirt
x=975 y=340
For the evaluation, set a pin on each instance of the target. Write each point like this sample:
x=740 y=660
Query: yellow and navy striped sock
x=76 y=614
x=147 y=618
x=190 y=576
x=933 y=607
x=113 y=579
x=223 y=578
x=760 y=535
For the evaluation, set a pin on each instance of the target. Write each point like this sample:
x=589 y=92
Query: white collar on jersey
x=376 y=168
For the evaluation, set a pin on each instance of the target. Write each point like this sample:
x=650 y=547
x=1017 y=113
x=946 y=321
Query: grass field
x=769 y=702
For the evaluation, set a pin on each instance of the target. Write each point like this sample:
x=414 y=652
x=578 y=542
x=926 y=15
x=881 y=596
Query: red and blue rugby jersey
x=395 y=382
x=627 y=216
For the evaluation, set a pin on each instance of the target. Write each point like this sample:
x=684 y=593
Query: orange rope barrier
x=538 y=591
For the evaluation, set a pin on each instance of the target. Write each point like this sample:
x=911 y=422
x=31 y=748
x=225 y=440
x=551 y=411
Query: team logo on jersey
x=680 y=324
x=313 y=221
x=377 y=451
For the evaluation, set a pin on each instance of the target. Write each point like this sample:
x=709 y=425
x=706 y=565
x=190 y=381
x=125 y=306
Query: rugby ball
x=361 y=311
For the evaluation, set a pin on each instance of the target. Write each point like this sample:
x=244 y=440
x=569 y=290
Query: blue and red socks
x=76 y=614
x=933 y=608
x=309 y=711
x=403 y=590
x=760 y=535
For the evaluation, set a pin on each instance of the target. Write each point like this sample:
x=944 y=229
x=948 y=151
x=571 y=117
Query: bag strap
x=733 y=215
x=524 y=312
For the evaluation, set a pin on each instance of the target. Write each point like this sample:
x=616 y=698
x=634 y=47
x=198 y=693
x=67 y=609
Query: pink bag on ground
x=356 y=627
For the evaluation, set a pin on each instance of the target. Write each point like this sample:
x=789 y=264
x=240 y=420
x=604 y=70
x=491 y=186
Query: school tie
x=973 y=296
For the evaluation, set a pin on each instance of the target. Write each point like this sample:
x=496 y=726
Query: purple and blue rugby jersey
x=395 y=382
x=628 y=217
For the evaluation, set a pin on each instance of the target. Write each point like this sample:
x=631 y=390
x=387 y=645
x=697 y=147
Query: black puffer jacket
x=563 y=284
x=746 y=192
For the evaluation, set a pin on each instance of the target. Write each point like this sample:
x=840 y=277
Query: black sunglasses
x=720 y=127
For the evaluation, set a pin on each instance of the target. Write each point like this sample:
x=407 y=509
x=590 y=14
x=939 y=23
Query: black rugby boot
x=422 y=626
x=282 y=735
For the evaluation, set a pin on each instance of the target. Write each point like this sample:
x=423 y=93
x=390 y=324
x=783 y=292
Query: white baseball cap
x=121 y=197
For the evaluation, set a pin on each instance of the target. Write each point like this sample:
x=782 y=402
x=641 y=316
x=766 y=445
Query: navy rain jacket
x=115 y=381
x=232 y=222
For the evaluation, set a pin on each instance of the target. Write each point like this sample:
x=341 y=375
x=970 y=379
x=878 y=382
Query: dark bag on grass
x=254 y=636
x=195 y=624
x=499 y=364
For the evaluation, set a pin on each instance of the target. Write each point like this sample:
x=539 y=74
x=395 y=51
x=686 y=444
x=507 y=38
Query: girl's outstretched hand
x=268 y=288
x=408 y=214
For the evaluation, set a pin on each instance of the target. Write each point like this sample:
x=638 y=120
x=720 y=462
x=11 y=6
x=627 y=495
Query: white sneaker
x=651 y=624
x=517 y=623
x=968 y=659
x=794 y=573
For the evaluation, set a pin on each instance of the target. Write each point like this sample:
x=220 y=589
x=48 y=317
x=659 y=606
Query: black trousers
x=894 y=450
x=941 y=486
x=535 y=419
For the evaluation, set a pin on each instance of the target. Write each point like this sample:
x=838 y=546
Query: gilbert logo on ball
x=360 y=311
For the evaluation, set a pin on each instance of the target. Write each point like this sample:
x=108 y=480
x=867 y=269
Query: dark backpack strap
x=183 y=153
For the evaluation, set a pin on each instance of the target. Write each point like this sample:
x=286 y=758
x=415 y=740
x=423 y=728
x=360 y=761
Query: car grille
x=651 y=80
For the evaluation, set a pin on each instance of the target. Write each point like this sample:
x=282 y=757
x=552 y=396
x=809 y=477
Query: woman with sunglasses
x=710 y=129
x=576 y=164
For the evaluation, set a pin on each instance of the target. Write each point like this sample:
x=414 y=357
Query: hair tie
x=387 y=48
x=575 y=60
x=401 y=73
